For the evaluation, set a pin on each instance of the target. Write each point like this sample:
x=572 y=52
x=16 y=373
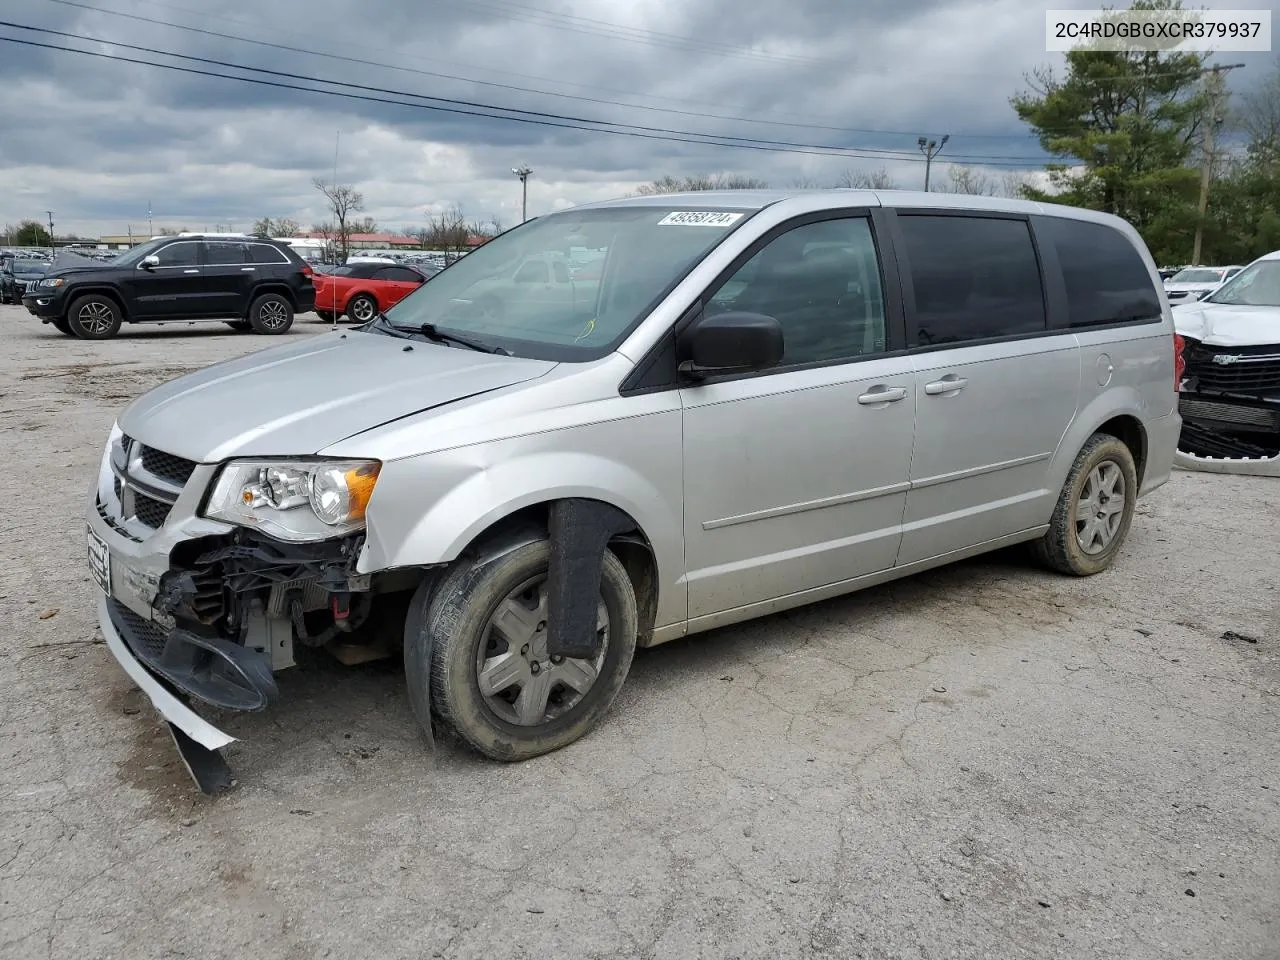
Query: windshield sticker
x=699 y=218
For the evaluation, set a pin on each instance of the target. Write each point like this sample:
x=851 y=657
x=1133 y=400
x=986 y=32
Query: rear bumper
x=1162 y=446
x=170 y=707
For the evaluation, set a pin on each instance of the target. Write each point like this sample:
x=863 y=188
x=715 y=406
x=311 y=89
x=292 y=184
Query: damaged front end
x=1229 y=400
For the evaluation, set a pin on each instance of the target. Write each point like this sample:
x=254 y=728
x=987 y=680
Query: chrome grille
x=146 y=483
x=1248 y=370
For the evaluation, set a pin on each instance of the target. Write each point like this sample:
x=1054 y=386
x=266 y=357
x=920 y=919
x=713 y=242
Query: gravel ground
x=985 y=761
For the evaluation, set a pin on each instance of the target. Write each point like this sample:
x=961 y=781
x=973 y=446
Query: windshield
x=522 y=292
x=131 y=257
x=30 y=267
x=1200 y=275
x=1257 y=285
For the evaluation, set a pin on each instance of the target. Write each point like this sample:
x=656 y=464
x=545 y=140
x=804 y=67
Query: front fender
x=426 y=510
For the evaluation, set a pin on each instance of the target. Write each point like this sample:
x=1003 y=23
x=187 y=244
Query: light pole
x=51 y=250
x=930 y=149
x=524 y=173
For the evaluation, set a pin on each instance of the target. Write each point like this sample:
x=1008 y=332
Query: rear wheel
x=94 y=317
x=480 y=648
x=1094 y=510
x=271 y=313
x=362 y=308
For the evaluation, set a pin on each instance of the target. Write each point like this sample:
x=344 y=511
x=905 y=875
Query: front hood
x=1188 y=287
x=1224 y=325
x=298 y=399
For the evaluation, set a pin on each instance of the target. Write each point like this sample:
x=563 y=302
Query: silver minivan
x=747 y=402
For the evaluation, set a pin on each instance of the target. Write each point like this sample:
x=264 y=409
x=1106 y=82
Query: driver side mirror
x=146 y=263
x=735 y=342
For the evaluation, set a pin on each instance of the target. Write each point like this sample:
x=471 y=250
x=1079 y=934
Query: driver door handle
x=190 y=271
x=878 y=395
x=947 y=384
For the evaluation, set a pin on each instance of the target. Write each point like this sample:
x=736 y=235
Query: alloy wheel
x=1100 y=508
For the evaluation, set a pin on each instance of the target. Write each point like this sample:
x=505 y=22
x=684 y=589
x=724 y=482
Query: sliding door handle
x=947 y=384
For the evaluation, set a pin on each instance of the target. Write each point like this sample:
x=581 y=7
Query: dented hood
x=297 y=399
x=1225 y=325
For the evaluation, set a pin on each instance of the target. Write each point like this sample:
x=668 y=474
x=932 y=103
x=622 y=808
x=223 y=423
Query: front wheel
x=94 y=318
x=478 y=644
x=271 y=313
x=1094 y=510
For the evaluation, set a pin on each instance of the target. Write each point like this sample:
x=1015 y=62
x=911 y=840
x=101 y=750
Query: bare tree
x=364 y=225
x=494 y=225
x=448 y=230
x=1015 y=184
x=878 y=179
x=699 y=181
x=1259 y=117
x=344 y=200
x=970 y=180
x=284 y=227
x=805 y=183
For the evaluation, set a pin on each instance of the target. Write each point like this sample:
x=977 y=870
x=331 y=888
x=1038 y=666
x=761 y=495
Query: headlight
x=297 y=500
x=52 y=282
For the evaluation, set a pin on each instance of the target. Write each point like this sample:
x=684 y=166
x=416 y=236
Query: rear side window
x=974 y=278
x=220 y=253
x=265 y=253
x=1106 y=280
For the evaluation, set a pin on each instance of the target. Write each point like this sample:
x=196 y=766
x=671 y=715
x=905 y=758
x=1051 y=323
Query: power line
x=509 y=86
x=521 y=115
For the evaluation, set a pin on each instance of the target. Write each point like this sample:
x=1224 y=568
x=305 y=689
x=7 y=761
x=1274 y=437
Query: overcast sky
x=97 y=140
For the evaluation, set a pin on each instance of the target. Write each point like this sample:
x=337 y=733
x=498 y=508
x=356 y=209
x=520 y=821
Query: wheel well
x=280 y=288
x=1130 y=432
x=632 y=549
x=106 y=292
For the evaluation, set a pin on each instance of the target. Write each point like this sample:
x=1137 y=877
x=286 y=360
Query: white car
x=1196 y=283
x=1230 y=386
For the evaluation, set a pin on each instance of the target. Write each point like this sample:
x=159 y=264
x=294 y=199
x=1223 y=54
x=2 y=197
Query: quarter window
x=1106 y=278
x=400 y=275
x=821 y=282
x=179 y=255
x=974 y=278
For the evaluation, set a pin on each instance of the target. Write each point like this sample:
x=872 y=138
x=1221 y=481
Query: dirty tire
x=271 y=314
x=94 y=317
x=60 y=324
x=446 y=624
x=1060 y=549
x=326 y=315
x=240 y=326
x=362 y=308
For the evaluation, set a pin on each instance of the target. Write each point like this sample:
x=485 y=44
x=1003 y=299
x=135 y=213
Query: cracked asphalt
x=984 y=761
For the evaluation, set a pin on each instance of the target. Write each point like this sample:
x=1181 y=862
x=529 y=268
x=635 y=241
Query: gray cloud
x=95 y=140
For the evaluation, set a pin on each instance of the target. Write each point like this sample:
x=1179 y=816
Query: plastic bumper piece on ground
x=1246 y=466
x=170 y=707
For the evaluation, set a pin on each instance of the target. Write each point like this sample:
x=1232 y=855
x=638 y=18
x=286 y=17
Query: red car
x=362 y=290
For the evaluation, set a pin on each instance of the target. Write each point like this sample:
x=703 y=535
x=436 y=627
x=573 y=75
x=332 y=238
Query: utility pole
x=51 y=251
x=930 y=149
x=1214 y=95
x=150 y=226
x=524 y=173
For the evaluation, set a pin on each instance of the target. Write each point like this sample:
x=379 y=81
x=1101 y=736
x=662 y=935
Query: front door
x=995 y=389
x=796 y=478
x=172 y=289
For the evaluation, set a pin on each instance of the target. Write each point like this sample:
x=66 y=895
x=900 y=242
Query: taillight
x=1179 y=361
x=307 y=271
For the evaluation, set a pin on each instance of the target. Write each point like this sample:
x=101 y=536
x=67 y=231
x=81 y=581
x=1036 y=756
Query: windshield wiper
x=430 y=331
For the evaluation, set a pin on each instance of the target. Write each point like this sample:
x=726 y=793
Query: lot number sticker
x=699 y=218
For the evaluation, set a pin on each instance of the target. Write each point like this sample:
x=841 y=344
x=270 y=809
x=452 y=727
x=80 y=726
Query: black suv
x=251 y=283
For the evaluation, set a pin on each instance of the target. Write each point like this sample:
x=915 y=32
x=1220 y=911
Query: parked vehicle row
x=1195 y=283
x=765 y=400
x=18 y=273
x=250 y=283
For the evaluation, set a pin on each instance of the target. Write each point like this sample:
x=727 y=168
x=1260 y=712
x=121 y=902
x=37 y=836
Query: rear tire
x=451 y=641
x=1094 y=510
x=362 y=308
x=271 y=314
x=94 y=317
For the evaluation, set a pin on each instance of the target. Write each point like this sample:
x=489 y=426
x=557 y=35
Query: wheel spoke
x=503 y=671
x=531 y=705
x=517 y=623
x=579 y=674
